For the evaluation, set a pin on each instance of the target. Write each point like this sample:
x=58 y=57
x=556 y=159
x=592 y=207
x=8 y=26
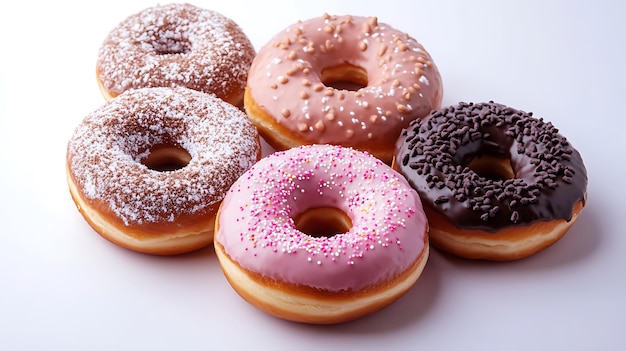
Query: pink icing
x=258 y=229
x=403 y=82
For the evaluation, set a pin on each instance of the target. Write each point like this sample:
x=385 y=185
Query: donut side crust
x=314 y=306
x=155 y=240
x=281 y=138
x=508 y=244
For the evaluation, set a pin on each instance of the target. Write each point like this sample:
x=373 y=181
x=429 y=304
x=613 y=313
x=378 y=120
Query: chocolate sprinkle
x=435 y=155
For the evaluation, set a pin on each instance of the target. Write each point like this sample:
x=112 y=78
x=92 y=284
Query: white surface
x=65 y=288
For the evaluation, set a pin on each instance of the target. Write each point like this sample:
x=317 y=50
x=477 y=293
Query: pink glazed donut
x=321 y=234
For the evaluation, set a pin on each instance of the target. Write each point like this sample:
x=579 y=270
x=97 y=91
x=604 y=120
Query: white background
x=63 y=287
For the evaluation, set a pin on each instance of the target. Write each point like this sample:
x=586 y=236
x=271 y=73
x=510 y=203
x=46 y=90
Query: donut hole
x=492 y=167
x=345 y=77
x=166 y=158
x=323 y=222
x=171 y=45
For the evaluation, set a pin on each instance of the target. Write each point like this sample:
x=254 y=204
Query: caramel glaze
x=434 y=154
x=295 y=94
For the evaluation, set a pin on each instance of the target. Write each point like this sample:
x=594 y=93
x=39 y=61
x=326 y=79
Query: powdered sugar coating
x=107 y=148
x=257 y=227
x=176 y=45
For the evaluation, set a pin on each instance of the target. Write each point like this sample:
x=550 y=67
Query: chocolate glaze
x=433 y=154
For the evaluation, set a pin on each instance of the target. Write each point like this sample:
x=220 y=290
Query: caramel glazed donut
x=321 y=234
x=497 y=183
x=347 y=80
x=176 y=45
x=149 y=169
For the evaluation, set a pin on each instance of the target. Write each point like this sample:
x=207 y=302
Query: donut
x=497 y=183
x=342 y=80
x=148 y=169
x=176 y=45
x=321 y=234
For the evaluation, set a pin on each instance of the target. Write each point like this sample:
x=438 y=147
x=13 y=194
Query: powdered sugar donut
x=321 y=234
x=149 y=169
x=176 y=45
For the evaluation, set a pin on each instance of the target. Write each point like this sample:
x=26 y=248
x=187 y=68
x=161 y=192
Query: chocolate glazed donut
x=496 y=182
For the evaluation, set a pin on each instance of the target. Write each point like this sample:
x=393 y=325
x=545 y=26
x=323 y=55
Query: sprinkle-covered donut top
x=402 y=81
x=259 y=232
x=106 y=152
x=547 y=174
x=176 y=45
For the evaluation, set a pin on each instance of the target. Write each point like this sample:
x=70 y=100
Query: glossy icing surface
x=402 y=81
x=548 y=174
x=257 y=227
